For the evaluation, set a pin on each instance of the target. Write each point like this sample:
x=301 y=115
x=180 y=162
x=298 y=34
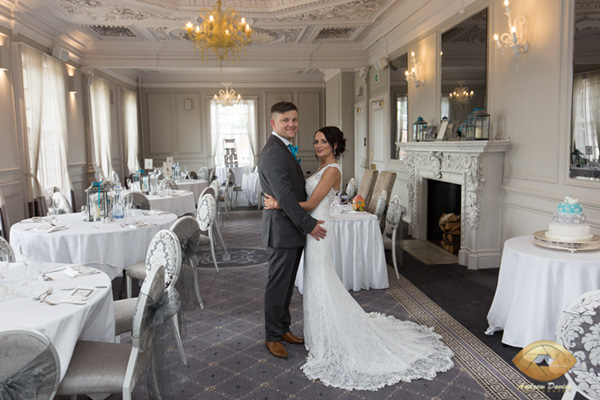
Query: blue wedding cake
x=569 y=225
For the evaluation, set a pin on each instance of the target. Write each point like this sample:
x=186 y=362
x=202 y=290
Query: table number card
x=170 y=160
x=148 y=163
x=168 y=169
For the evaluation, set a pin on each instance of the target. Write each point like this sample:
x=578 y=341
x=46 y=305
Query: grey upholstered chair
x=30 y=367
x=193 y=175
x=365 y=189
x=6 y=251
x=577 y=332
x=385 y=181
x=4 y=222
x=140 y=201
x=60 y=203
x=351 y=188
x=99 y=367
x=188 y=232
x=390 y=233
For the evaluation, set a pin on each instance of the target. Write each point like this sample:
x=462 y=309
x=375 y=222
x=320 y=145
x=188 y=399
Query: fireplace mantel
x=477 y=167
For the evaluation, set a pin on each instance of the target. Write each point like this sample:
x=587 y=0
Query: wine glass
x=26 y=257
x=3 y=273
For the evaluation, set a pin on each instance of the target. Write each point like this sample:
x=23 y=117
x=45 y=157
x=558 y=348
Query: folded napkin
x=135 y=225
x=156 y=212
x=73 y=271
x=50 y=228
x=33 y=220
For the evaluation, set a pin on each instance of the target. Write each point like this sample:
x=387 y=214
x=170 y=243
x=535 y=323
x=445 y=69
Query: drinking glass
x=3 y=273
x=129 y=184
x=26 y=257
x=36 y=268
x=84 y=211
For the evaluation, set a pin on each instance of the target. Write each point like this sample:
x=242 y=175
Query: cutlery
x=63 y=302
x=48 y=293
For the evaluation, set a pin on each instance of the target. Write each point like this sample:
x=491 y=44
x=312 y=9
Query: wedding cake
x=569 y=224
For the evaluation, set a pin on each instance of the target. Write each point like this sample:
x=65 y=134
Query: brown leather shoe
x=291 y=338
x=277 y=349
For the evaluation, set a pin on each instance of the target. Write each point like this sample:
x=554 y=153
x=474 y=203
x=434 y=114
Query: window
x=586 y=120
x=234 y=122
x=101 y=120
x=130 y=128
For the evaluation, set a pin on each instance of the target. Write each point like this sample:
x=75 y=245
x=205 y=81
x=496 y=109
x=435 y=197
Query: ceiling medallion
x=224 y=33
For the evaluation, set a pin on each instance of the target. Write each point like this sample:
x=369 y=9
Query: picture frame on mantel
x=443 y=127
x=430 y=133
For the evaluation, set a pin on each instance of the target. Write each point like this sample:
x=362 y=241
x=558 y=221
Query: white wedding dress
x=349 y=348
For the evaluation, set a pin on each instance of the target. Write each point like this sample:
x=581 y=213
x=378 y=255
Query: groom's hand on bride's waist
x=318 y=231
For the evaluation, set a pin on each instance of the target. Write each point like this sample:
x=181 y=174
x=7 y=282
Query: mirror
x=585 y=111
x=464 y=61
x=399 y=104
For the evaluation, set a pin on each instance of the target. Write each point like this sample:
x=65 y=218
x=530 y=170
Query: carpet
x=428 y=253
x=233 y=258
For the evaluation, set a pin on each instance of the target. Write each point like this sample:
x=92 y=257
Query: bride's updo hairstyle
x=334 y=136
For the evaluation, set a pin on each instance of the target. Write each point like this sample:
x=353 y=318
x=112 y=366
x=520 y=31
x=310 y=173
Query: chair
x=167 y=184
x=215 y=226
x=188 y=233
x=211 y=174
x=98 y=367
x=6 y=251
x=115 y=178
x=366 y=184
x=30 y=367
x=235 y=189
x=203 y=173
x=164 y=250
x=225 y=193
x=206 y=217
x=193 y=175
x=140 y=201
x=381 y=206
x=4 y=222
x=385 y=181
x=351 y=188
x=60 y=203
x=577 y=332
x=392 y=222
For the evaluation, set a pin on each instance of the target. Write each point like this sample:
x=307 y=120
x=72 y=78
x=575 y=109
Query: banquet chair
x=168 y=184
x=6 y=251
x=115 y=178
x=351 y=188
x=211 y=174
x=140 y=201
x=393 y=219
x=226 y=192
x=381 y=207
x=29 y=364
x=215 y=226
x=577 y=332
x=193 y=175
x=4 y=222
x=235 y=189
x=99 y=367
x=188 y=232
x=60 y=203
x=203 y=173
x=366 y=184
x=164 y=250
x=206 y=217
x=385 y=181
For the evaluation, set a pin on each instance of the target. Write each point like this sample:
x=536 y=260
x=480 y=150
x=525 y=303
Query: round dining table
x=357 y=249
x=91 y=317
x=69 y=238
x=251 y=187
x=178 y=202
x=196 y=186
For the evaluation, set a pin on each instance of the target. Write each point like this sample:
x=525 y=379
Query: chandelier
x=461 y=94
x=224 y=33
x=227 y=97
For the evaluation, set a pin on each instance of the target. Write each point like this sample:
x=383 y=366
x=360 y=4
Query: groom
x=283 y=230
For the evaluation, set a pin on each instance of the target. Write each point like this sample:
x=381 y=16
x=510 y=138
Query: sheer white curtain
x=100 y=101
x=234 y=122
x=33 y=70
x=130 y=126
x=586 y=113
x=57 y=94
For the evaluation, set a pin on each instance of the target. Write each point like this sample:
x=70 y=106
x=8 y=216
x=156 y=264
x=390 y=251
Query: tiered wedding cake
x=569 y=224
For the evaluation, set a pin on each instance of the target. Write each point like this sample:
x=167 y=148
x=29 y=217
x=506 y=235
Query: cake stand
x=540 y=239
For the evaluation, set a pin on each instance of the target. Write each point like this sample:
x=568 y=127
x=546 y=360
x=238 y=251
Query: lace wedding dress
x=349 y=348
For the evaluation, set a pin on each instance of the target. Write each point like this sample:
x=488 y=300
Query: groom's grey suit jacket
x=281 y=176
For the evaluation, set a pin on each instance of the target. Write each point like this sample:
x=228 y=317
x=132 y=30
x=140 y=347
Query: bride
x=347 y=347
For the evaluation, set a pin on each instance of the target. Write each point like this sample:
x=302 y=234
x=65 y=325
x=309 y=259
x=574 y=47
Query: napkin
x=50 y=228
x=79 y=295
x=156 y=212
x=73 y=271
x=135 y=225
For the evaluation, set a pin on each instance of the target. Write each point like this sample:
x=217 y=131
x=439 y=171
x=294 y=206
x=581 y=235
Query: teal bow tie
x=294 y=150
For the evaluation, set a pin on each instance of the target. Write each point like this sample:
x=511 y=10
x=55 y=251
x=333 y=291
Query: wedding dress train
x=349 y=348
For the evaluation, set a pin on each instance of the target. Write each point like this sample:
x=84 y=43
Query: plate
x=540 y=239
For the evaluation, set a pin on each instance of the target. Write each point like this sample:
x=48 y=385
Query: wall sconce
x=72 y=84
x=415 y=75
x=513 y=40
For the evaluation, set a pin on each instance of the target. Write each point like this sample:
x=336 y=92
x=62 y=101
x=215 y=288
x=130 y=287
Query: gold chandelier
x=461 y=94
x=224 y=33
x=227 y=97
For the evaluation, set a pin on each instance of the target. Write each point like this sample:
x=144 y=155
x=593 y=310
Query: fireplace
x=476 y=168
x=442 y=198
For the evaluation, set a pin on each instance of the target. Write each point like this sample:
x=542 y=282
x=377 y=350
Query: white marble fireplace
x=477 y=167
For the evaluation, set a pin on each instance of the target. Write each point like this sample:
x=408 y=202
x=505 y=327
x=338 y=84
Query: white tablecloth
x=64 y=324
x=195 y=186
x=534 y=285
x=251 y=187
x=221 y=174
x=110 y=249
x=177 y=202
x=358 y=253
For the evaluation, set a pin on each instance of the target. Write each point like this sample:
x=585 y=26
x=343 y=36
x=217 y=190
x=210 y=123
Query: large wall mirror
x=585 y=111
x=464 y=61
x=399 y=104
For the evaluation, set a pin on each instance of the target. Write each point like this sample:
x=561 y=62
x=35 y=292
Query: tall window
x=100 y=99
x=586 y=117
x=234 y=122
x=130 y=128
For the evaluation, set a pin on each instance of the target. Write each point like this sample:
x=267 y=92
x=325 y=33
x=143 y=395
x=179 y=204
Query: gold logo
x=561 y=360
